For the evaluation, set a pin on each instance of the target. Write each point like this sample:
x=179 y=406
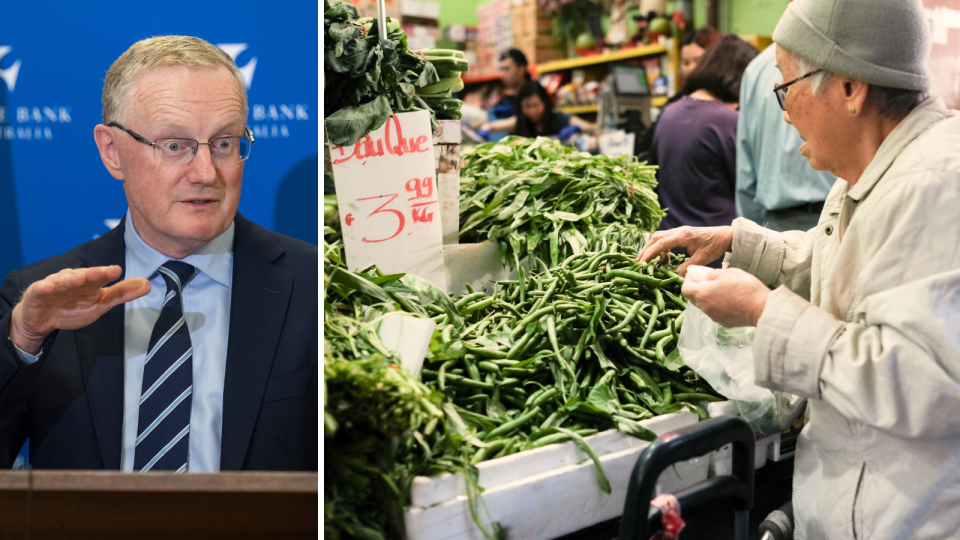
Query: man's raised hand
x=69 y=299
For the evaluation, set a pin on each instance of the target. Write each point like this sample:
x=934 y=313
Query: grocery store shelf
x=578 y=109
x=489 y=77
x=468 y=79
x=657 y=101
x=626 y=54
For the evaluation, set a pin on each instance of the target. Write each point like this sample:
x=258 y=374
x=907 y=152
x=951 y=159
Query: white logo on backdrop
x=9 y=75
x=110 y=223
x=32 y=123
x=233 y=50
x=269 y=120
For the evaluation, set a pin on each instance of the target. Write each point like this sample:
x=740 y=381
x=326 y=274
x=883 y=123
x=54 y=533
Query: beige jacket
x=866 y=324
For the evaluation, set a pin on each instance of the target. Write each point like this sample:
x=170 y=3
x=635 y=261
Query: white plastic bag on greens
x=724 y=357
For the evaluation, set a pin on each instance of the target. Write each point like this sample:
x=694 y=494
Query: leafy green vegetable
x=539 y=198
x=355 y=122
x=365 y=80
x=450 y=65
x=331 y=218
x=564 y=344
x=382 y=426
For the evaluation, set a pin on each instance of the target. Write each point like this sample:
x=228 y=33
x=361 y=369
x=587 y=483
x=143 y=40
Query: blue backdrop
x=54 y=191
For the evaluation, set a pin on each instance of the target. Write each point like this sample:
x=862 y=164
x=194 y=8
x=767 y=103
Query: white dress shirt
x=206 y=306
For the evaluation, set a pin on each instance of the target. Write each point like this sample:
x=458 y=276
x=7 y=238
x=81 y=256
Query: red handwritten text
x=393 y=142
x=380 y=209
x=423 y=188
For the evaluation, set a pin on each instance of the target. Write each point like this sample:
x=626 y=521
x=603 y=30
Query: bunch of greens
x=566 y=352
x=331 y=218
x=539 y=198
x=366 y=80
x=450 y=65
x=369 y=404
x=378 y=418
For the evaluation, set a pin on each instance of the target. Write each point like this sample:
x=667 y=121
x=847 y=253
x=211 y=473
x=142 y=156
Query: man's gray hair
x=892 y=103
x=156 y=53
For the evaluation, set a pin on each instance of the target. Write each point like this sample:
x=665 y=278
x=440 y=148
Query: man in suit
x=185 y=339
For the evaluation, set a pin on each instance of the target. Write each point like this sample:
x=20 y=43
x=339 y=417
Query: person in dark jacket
x=513 y=69
x=537 y=117
x=694 y=46
x=696 y=140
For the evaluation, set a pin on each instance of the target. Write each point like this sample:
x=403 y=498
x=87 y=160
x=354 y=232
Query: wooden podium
x=82 y=505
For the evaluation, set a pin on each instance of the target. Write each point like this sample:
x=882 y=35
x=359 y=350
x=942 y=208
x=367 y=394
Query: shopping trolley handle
x=682 y=445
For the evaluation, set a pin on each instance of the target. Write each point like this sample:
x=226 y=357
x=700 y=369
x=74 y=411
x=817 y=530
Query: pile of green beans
x=538 y=198
x=566 y=352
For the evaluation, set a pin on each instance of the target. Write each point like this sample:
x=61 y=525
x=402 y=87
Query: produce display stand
x=476 y=264
x=547 y=492
x=553 y=491
x=55 y=504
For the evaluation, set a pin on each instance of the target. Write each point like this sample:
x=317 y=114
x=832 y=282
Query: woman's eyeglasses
x=781 y=89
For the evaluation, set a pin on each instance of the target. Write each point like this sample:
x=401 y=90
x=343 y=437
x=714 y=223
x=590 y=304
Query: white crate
x=765 y=446
x=546 y=492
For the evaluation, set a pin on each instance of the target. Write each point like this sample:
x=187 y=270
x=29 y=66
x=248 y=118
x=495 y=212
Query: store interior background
x=754 y=17
x=759 y=18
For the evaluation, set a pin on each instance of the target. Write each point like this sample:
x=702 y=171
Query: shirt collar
x=214 y=259
x=922 y=118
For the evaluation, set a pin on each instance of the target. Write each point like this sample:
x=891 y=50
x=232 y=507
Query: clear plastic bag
x=724 y=358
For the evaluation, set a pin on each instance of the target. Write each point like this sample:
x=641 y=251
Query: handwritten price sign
x=389 y=205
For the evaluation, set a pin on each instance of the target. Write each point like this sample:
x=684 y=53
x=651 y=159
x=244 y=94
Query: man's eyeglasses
x=781 y=89
x=170 y=151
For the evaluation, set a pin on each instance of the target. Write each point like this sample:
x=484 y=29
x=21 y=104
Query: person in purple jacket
x=695 y=141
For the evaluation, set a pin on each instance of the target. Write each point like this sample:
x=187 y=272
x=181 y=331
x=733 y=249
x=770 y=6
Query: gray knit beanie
x=881 y=42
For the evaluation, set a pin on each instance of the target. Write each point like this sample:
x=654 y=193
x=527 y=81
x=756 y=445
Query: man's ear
x=109 y=150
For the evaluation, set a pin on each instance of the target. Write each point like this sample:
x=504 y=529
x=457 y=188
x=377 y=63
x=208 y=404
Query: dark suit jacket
x=70 y=402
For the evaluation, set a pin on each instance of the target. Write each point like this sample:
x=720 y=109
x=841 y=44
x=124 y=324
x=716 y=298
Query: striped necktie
x=163 y=431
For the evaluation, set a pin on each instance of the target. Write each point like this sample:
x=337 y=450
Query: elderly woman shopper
x=865 y=317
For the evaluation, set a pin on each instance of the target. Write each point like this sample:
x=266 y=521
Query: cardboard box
x=421 y=9
x=549 y=55
x=538 y=43
x=421 y=36
x=526 y=26
x=368 y=8
x=446 y=151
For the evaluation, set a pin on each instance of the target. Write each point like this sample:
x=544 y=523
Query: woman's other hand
x=731 y=297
